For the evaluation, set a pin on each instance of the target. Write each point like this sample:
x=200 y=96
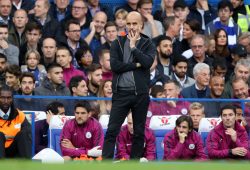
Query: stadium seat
x=104 y=120
x=39 y=115
x=159 y=137
x=54 y=140
x=206 y=125
x=31 y=118
x=163 y=122
x=56 y=124
x=161 y=125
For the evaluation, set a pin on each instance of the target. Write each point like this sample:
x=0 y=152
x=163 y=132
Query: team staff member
x=183 y=142
x=229 y=139
x=82 y=135
x=131 y=57
x=124 y=141
x=15 y=130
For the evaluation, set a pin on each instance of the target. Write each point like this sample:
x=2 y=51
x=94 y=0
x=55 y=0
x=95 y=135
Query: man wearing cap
x=181 y=11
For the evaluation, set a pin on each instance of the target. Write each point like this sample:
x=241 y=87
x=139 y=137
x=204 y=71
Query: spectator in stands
x=172 y=90
x=94 y=6
x=169 y=107
x=183 y=142
x=95 y=36
x=157 y=91
x=94 y=109
x=202 y=12
x=124 y=142
x=239 y=116
x=210 y=45
x=27 y=5
x=3 y=64
x=196 y=111
x=111 y=33
x=219 y=68
x=221 y=44
x=198 y=46
x=79 y=12
x=180 y=65
x=156 y=77
x=240 y=14
x=7 y=48
x=59 y=9
x=64 y=58
x=241 y=70
x=94 y=79
x=164 y=54
x=49 y=48
x=228 y=139
x=12 y=75
x=200 y=88
x=33 y=33
x=53 y=84
x=190 y=28
x=41 y=16
x=78 y=86
x=73 y=40
x=105 y=90
x=16 y=32
x=216 y=86
x=27 y=86
x=181 y=11
x=244 y=39
x=152 y=28
x=167 y=10
x=237 y=52
x=225 y=11
x=14 y=141
x=120 y=21
x=87 y=129
x=104 y=59
x=130 y=6
x=172 y=27
x=42 y=126
x=5 y=10
x=32 y=59
x=84 y=59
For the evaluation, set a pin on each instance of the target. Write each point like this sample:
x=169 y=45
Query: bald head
x=134 y=22
x=136 y=15
x=100 y=20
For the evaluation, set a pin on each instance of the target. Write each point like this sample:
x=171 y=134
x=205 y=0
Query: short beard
x=165 y=56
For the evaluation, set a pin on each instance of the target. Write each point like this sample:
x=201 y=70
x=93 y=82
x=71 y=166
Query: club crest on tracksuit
x=88 y=135
x=191 y=146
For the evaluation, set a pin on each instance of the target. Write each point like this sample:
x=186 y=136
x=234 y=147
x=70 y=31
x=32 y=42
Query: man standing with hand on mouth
x=130 y=58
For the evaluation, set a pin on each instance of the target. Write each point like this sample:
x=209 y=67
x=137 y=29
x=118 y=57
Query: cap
x=180 y=4
x=239 y=50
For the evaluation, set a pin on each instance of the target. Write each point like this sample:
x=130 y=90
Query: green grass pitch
x=128 y=165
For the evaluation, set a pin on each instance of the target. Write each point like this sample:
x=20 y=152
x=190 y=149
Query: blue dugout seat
x=54 y=140
x=159 y=137
x=30 y=116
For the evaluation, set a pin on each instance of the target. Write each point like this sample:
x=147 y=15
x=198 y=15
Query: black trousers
x=122 y=102
x=20 y=147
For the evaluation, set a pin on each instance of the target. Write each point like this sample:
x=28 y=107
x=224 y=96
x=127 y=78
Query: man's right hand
x=239 y=151
x=4 y=44
x=182 y=137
